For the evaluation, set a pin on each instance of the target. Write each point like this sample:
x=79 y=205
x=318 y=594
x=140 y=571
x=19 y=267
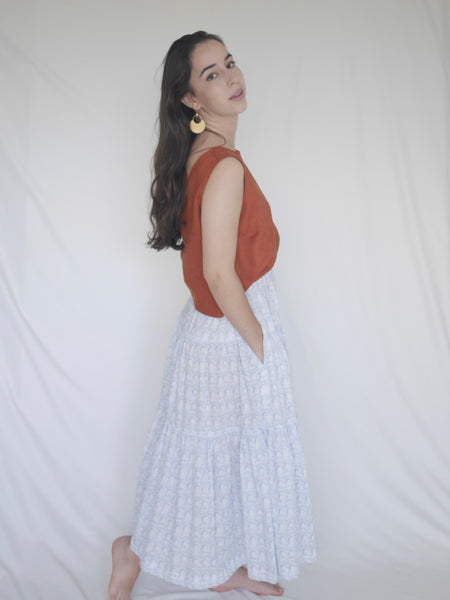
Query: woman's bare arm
x=221 y=209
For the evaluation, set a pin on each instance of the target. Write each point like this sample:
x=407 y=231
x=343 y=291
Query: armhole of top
x=214 y=165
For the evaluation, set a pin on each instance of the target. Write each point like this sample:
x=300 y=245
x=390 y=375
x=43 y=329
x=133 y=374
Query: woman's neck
x=216 y=131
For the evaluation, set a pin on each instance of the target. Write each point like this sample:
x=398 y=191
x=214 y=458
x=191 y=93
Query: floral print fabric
x=223 y=481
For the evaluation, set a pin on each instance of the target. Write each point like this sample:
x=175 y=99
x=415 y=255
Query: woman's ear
x=189 y=100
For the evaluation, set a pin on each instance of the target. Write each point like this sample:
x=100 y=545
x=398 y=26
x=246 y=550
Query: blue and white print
x=223 y=481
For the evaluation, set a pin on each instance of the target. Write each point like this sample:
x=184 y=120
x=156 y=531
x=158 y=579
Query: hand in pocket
x=261 y=353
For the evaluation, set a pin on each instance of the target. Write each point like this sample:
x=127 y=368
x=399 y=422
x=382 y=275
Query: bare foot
x=125 y=569
x=241 y=579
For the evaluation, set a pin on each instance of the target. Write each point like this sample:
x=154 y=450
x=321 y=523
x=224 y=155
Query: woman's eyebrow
x=211 y=66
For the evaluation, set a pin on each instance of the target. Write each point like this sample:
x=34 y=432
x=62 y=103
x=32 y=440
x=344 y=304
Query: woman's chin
x=243 y=107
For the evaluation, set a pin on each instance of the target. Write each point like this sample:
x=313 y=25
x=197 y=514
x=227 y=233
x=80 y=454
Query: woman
x=222 y=499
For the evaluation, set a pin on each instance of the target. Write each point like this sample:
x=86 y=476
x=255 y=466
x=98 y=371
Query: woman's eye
x=230 y=65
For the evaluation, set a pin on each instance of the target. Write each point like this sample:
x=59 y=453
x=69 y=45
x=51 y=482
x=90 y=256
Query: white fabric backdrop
x=347 y=132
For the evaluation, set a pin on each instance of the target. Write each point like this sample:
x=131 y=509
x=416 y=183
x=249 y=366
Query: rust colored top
x=258 y=239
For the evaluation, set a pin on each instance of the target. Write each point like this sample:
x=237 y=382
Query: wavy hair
x=168 y=187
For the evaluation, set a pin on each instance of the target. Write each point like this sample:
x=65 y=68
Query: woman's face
x=217 y=84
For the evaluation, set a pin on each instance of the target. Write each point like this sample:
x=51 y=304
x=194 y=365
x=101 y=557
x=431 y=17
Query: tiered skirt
x=223 y=481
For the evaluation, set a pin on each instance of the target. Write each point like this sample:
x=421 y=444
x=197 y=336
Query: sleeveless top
x=258 y=239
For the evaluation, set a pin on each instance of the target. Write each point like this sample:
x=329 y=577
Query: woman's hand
x=260 y=347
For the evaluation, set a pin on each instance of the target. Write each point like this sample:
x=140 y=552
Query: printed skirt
x=223 y=481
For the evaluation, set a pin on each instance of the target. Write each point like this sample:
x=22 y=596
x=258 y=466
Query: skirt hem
x=218 y=580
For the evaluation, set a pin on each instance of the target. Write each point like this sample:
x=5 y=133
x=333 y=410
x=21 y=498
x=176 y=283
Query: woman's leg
x=125 y=569
x=241 y=579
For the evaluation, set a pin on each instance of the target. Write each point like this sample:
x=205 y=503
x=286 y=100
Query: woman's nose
x=232 y=77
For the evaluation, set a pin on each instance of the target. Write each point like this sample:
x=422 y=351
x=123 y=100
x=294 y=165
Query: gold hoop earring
x=197 y=124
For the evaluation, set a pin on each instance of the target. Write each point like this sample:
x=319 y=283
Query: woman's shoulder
x=209 y=157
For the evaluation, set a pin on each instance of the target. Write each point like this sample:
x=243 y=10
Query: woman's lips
x=238 y=95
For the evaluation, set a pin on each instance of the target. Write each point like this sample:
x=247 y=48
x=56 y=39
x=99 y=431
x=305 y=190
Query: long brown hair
x=168 y=188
